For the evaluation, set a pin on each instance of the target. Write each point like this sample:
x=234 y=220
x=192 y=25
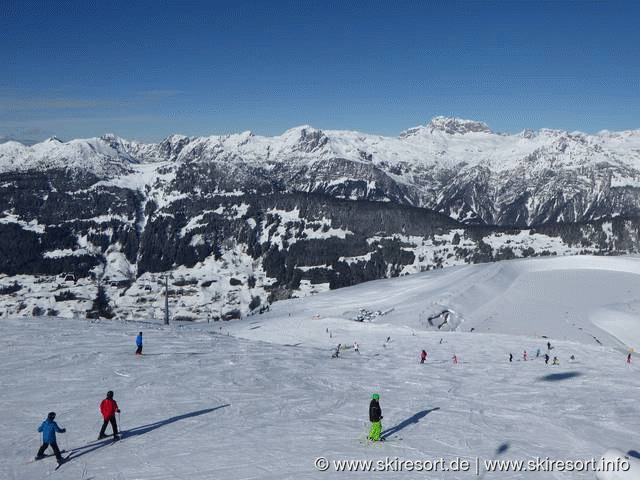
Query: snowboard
x=365 y=441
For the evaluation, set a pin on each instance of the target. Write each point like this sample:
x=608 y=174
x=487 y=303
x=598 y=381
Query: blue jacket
x=49 y=429
x=139 y=340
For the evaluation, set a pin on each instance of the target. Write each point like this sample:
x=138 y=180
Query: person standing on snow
x=109 y=408
x=511 y=357
x=629 y=358
x=49 y=429
x=525 y=356
x=375 y=416
x=139 y=344
x=356 y=347
x=423 y=356
x=546 y=358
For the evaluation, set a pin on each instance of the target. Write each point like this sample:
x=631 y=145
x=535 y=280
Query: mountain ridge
x=254 y=219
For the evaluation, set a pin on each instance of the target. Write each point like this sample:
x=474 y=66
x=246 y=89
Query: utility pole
x=166 y=300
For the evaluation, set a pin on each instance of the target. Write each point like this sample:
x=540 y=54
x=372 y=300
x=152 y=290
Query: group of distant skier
x=525 y=356
x=108 y=409
x=555 y=358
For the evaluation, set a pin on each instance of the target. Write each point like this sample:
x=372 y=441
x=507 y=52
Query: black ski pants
x=114 y=426
x=139 y=350
x=56 y=450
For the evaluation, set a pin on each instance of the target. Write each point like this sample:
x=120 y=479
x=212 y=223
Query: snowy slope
x=261 y=397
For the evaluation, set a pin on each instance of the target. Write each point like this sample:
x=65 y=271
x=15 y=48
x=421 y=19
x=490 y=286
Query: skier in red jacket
x=423 y=356
x=109 y=408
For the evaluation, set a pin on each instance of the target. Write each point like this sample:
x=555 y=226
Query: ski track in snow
x=227 y=400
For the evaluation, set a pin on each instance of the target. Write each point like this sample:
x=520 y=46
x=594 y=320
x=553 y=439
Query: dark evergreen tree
x=100 y=307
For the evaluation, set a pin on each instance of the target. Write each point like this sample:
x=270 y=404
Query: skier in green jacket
x=375 y=415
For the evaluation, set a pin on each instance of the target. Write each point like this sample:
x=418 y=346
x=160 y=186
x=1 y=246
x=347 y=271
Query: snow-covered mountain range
x=271 y=217
x=457 y=167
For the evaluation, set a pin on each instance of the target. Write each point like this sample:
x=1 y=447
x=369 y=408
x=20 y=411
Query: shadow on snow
x=80 y=451
x=405 y=423
x=556 y=377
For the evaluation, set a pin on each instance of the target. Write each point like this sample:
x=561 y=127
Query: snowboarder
x=423 y=356
x=511 y=357
x=139 y=344
x=109 y=408
x=356 y=348
x=336 y=354
x=556 y=361
x=375 y=416
x=546 y=359
x=455 y=358
x=525 y=356
x=629 y=358
x=49 y=429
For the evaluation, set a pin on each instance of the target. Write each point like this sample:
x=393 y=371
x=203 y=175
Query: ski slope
x=261 y=398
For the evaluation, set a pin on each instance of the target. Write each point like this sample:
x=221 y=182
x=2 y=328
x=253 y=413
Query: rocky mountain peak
x=454 y=126
x=305 y=138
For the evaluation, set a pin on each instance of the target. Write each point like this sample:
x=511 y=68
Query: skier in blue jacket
x=49 y=429
x=139 y=344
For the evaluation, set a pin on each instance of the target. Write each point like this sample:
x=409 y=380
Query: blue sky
x=146 y=69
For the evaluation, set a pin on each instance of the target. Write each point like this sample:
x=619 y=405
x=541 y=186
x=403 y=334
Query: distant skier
x=537 y=353
x=511 y=357
x=423 y=356
x=546 y=359
x=49 y=429
x=375 y=416
x=109 y=408
x=356 y=347
x=629 y=358
x=556 y=361
x=139 y=344
x=525 y=356
x=549 y=346
x=336 y=353
x=455 y=358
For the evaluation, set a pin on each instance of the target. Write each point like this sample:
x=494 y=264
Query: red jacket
x=108 y=407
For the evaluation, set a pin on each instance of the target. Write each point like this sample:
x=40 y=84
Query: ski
x=64 y=460
x=46 y=455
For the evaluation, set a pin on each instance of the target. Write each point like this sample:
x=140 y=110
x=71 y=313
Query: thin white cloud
x=162 y=93
x=34 y=103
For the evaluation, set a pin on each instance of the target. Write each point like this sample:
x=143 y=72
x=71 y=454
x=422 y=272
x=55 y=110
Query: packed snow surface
x=261 y=398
